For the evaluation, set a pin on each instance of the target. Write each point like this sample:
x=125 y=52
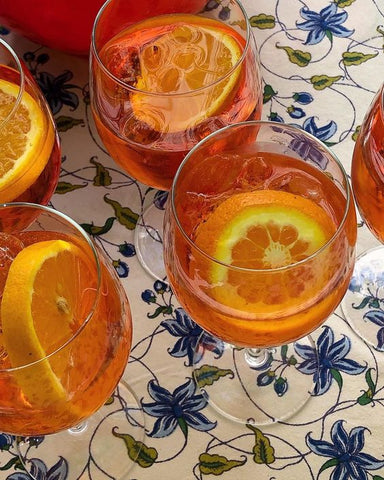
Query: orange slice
x=189 y=54
x=26 y=141
x=262 y=230
x=39 y=308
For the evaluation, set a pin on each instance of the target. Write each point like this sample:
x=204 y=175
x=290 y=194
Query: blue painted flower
x=326 y=23
x=127 y=249
x=39 y=470
x=160 y=287
x=189 y=334
x=303 y=98
x=275 y=117
x=121 y=268
x=266 y=378
x=5 y=441
x=345 y=453
x=330 y=358
x=148 y=296
x=322 y=133
x=295 y=112
x=280 y=386
x=56 y=90
x=178 y=409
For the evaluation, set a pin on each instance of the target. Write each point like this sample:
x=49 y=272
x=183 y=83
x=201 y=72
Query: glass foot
x=149 y=238
x=104 y=446
x=255 y=386
x=363 y=304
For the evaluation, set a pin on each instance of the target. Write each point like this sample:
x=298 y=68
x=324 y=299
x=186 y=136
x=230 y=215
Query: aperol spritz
x=29 y=146
x=363 y=301
x=66 y=329
x=259 y=243
x=161 y=85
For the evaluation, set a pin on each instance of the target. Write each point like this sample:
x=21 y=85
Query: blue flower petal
x=163 y=427
x=158 y=393
x=199 y=422
x=339 y=436
x=321 y=447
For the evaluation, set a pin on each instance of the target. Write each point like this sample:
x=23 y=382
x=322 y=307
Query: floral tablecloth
x=322 y=63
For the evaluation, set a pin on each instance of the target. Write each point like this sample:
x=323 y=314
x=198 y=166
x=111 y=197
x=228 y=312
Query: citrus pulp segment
x=37 y=314
x=184 y=70
x=26 y=141
x=262 y=230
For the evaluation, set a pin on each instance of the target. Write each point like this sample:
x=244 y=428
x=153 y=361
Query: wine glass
x=30 y=154
x=63 y=348
x=259 y=244
x=362 y=305
x=162 y=80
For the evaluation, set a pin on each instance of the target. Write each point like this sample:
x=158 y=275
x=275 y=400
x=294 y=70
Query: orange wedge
x=26 y=141
x=39 y=308
x=262 y=230
x=190 y=53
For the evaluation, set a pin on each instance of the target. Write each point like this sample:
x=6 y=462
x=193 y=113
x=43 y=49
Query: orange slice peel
x=37 y=311
x=26 y=141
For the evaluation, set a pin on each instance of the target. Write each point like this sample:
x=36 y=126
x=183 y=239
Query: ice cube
x=10 y=246
x=298 y=184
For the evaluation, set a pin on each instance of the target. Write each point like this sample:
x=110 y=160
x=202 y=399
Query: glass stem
x=257 y=357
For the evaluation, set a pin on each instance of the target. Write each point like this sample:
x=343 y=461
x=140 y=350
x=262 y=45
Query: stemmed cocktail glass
x=362 y=305
x=162 y=82
x=29 y=147
x=66 y=333
x=259 y=245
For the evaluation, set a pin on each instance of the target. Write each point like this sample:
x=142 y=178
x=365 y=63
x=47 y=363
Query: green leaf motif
x=65 y=187
x=298 y=57
x=356 y=133
x=102 y=177
x=137 y=451
x=370 y=382
x=357 y=58
x=217 y=464
x=64 y=123
x=320 y=82
x=263 y=452
x=263 y=21
x=15 y=462
x=337 y=376
x=95 y=230
x=328 y=464
x=367 y=397
x=208 y=374
x=344 y=3
x=165 y=310
x=377 y=477
x=184 y=426
x=124 y=215
x=268 y=93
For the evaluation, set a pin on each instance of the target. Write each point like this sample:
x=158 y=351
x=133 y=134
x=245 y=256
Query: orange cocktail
x=29 y=146
x=367 y=171
x=66 y=325
x=161 y=85
x=259 y=243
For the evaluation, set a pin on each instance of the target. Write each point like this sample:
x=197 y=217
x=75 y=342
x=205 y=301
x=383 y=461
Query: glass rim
x=95 y=52
x=4 y=44
x=89 y=242
x=260 y=123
